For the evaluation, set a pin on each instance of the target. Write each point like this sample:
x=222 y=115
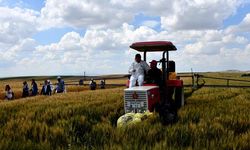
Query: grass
x=59 y=120
x=211 y=119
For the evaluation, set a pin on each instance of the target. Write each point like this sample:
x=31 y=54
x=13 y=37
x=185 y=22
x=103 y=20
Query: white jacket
x=139 y=68
x=9 y=94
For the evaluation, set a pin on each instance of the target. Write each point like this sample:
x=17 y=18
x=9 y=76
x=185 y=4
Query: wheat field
x=213 y=118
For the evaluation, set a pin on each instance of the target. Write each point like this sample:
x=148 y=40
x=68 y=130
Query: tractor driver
x=137 y=71
x=154 y=74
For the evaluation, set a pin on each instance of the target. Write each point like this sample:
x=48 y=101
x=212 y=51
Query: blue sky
x=238 y=16
x=30 y=4
x=53 y=35
x=57 y=37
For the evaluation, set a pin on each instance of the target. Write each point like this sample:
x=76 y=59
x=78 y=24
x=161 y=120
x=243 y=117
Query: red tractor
x=166 y=98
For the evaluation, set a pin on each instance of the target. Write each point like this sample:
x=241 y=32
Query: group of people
x=47 y=89
x=139 y=69
x=92 y=84
x=33 y=91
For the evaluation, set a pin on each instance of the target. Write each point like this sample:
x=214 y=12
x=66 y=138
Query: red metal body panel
x=149 y=84
x=153 y=98
x=127 y=84
x=175 y=83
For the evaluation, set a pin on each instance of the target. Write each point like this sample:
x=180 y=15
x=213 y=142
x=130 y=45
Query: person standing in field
x=60 y=87
x=102 y=85
x=9 y=94
x=51 y=85
x=25 y=89
x=34 y=88
x=137 y=70
x=92 y=84
x=46 y=89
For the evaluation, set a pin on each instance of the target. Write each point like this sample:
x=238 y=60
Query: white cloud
x=193 y=26
x=16 y=27
x=83 y=13
x=98 y=51
x=230 y=39
x=243 y=26
x=105 y=51
x=213 y=42
x=69 y=43
x=199 y=14
x=16 y=24
x=25 y=45
x=248 y=48
x=151 y=8
x=175 y=15
x=151 y=23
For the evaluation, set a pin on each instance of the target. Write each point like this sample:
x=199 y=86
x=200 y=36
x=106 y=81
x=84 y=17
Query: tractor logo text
x=135 y=95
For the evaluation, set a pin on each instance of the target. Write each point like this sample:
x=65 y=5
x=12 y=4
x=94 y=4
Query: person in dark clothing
x=102 y=85
x=25 y=89
x=60 y=87
x=154 y=74
x=92 y=84
x=46 y=90
x=34 y=88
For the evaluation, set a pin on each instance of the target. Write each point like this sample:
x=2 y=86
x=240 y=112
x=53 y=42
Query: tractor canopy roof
x=153 y=46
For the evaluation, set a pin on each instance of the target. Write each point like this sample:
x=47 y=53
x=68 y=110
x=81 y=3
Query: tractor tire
x=157 y=107
x=168 y=115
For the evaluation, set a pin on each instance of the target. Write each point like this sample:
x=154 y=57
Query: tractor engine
x=139 y=99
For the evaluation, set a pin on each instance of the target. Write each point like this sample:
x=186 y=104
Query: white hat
x=58 y=77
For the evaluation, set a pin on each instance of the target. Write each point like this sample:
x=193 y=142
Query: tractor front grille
x=135 y=101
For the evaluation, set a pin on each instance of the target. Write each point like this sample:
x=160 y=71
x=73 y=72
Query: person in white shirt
x=9 y=95
x=137 y=71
